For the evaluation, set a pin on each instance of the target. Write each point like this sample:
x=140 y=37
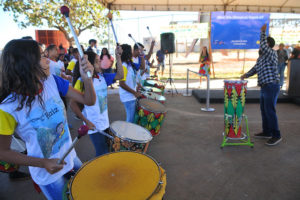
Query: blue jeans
x=281 y=68
x=268 y=99
x=130 y=110
x=99 y=142
x=54 y=191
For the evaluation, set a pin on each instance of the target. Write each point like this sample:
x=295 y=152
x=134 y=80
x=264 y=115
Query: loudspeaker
x=167 y=42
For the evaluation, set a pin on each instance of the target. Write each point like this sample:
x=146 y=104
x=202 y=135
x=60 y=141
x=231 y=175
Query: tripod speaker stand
x=170 y=79
x=167 y=42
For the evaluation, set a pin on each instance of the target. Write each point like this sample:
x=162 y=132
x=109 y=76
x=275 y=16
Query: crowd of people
x=38 y=84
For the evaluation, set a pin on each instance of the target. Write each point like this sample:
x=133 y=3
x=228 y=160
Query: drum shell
x=234 y=103
x=16 y=145
x=120 y=143
x=151 y=120
x=8 y=167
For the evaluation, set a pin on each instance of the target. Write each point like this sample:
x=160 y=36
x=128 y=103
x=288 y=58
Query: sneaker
x=18 y=176
x=273 y=141
x=262 y=136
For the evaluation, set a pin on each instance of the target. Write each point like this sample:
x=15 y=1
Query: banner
x=235 y=30
x=285 y=31
x=187 y=31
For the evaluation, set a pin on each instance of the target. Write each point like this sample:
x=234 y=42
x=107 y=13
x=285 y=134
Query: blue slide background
x=236 y=30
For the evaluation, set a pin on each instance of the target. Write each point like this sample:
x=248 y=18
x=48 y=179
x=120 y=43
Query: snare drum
x=154 y=96
x=150 y=114
x=129 y=136
x=119 y=175
x=153 y=89
x=234 y=103
x=154 y=83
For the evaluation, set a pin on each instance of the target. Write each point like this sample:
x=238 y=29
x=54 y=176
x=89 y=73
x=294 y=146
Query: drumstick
x=82 y=131
x=134 y=41
x=150 y=32
x=106 y=134
x=66 y=11
x=109 y=16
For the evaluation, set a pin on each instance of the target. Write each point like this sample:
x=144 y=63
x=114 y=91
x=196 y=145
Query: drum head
x=152 y=89
x=152 y=95
x=152 y=105
x=151 y=82
x=130 y=132
x=120 y=175
x=235 y=81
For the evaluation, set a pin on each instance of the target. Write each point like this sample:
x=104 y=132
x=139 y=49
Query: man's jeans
x=268 y=99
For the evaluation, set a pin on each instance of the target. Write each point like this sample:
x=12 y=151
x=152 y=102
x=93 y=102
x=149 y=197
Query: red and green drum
x=234 y=104
x=150 y=114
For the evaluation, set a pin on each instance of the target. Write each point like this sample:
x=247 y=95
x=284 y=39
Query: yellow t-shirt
x=72 y=64
x=7 y=123
x=125 y=73
x=79 y=85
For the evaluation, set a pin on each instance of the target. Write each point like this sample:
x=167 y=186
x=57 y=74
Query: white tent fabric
x=279 y=6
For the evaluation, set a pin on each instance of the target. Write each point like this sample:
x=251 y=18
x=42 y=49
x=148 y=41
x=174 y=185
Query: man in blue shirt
x=160 y=57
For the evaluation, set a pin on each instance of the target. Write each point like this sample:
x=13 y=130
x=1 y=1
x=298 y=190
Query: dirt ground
x=197 y=169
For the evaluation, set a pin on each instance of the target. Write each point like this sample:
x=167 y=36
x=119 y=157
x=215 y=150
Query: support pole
x=207 y=109
x=187 y=94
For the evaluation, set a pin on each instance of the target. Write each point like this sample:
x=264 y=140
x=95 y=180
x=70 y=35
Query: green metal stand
x=242 y=141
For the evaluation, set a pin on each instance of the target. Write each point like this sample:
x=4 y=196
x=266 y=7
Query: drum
x=155 y=83
x=153 y=77
x=119 y=175
x=7 y=167
x=154 y=96
x=234 y=103
x=16 y=145
x=153 y=89
x=150 y=114
x=129 y=136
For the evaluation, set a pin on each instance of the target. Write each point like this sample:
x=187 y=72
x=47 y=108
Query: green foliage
x=84 y=15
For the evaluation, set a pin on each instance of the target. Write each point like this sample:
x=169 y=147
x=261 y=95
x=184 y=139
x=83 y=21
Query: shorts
x=162 y=64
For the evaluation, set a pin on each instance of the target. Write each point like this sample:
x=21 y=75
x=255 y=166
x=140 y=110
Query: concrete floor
x=197 y=169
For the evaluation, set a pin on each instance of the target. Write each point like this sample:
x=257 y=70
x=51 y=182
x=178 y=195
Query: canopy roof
x=283 y=6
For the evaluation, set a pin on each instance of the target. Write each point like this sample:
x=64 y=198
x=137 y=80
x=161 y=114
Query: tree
x=84 y=15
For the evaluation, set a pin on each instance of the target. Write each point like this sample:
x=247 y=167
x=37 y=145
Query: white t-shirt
x=44 y=130
x=55 y=68
x=147 y=66
x=98 y=113
x=61 y=64
x=130 y=80
x=145 y=75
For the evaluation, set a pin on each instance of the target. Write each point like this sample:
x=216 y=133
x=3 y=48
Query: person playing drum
x=128 y=85
x=96 y=116
x=31 y=106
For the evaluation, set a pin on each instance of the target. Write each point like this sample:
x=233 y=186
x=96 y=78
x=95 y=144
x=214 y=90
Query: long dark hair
x=205 y=52
x=21 y=73
x=107 y=53
x=126 y=54
x=76 y=72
